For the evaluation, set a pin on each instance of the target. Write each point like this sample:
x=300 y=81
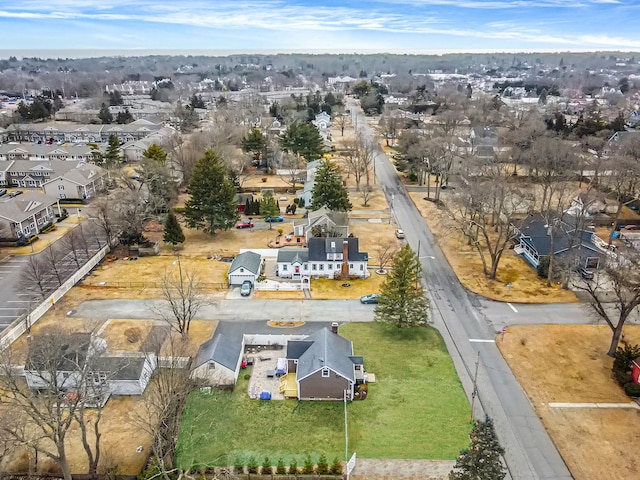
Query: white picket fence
x=19 y=326
x=272 y=285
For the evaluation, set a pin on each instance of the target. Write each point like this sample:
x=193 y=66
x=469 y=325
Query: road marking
x=512 y=307
x=594 y=405
x=475 y=315
x=481 y=340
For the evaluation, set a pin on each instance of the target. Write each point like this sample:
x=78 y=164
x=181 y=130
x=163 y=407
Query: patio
x=263 y=378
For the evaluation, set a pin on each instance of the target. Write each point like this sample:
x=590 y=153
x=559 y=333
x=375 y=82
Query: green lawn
x=416 y=409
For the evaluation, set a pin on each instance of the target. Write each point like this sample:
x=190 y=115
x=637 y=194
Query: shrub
x=247 y=376
x=266 y=467
x=252 y=465
x=323 y=466
x=413 y=177
x=238 y=466
x=622 y=363
x=336 y=467
x=178 y=209
x=280 y=469
x=308 y=468
x=632 y=389
x=293 y=467
x=264 y=179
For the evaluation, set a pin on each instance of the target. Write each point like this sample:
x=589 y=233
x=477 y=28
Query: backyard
x=416 y=409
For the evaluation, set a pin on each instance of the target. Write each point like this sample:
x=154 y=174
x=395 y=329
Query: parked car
x=371 y=298
x=3 y=191
x=15 y=193
x=279 y=218
x=245 y=289
x=282 y=199
x=399 y=233
x=585 y=273
x=247 y=224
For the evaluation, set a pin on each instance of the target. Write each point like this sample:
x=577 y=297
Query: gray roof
x=221 y=350
x=293 y=255
x=23 y=206
x=247 y=260
x=319 y=247
x=325 y=349
x=121 y=368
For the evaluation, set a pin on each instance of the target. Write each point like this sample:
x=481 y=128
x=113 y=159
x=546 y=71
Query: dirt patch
x=568 y=363
x=377 y=200
x=516 y=281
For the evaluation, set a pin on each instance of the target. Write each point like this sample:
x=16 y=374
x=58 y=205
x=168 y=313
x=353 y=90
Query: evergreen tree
x=124 y=117
x=303 y=139
x=269 y=207
x=212 y=205
x=172 y=230
x=402 y=302
x=105 y=115
x=482 y=460
x=113 y=155
x=156 y=153
x=254 y=142
x=329 y=190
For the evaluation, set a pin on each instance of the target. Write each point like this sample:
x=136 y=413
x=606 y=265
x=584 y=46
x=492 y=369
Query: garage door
x=238 y=279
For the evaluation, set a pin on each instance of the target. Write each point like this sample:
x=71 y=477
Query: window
x=314 y=267
x=305 y=267
x=212 y=366
x=351 y=265
x=361 y=267
x=322 y=266
x=325 y=372
x=241 y=270
x=285 y=268
x=330 y=266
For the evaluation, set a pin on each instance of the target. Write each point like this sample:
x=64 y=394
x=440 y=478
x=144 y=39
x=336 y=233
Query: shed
x=245 y=267
x=218 y=360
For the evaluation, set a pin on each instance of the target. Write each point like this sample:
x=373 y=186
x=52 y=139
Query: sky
x=321 y=25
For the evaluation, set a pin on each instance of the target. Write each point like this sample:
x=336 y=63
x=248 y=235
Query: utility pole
x=418 y=267
x=474 y=393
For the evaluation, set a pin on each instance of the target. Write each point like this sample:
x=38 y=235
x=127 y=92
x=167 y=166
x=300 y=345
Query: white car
x=399 y=233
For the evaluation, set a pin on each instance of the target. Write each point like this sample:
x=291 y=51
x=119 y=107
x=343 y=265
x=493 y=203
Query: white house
x=322 y=121
x=324 y=257
x=247 y=266
x=218 y=361
x=306 y=194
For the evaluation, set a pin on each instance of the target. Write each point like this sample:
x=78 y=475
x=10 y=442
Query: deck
x=288 y=385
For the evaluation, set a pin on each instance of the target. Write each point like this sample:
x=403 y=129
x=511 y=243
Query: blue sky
x=321 y=25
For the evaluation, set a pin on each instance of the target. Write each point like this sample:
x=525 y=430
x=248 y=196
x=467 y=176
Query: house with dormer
x=329 y=257
x=26 y=214
x=322 y=121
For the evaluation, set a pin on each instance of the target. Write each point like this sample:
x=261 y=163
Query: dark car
x=247 y=224
x=371 y=298
x=15 y=193
x=279 y=218
x=585 y=273
x=245 y=289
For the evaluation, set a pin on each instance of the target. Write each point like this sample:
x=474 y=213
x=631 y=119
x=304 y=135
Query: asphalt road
x=464 y=318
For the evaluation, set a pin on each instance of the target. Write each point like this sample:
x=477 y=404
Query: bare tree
x=390 y=125
x=183 y=296
x=60 y=370
x=618 y=282
x=385 y=251
x=359 y=155
x=486 y=215
x=107 y=219
x=165 y=397
x=295 y=167
x=33 y=277
x=341 y=120
x=52 y=258
x=76 y=244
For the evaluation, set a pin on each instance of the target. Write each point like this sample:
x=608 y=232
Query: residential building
x=82 y=182
x=322 y=222
x=27 y=213
x=75 y=152
x=322 y=367
x=329 y=257
x=245 y=267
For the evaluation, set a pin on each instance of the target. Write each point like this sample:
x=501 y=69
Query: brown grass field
x=568 y=363
x=465 y=261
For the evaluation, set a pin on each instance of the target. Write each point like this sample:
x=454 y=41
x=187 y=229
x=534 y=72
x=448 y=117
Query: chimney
x=344 y=273
x=334 y=327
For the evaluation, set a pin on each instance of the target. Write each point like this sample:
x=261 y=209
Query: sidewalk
x=46 y=239
x=367 y=468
